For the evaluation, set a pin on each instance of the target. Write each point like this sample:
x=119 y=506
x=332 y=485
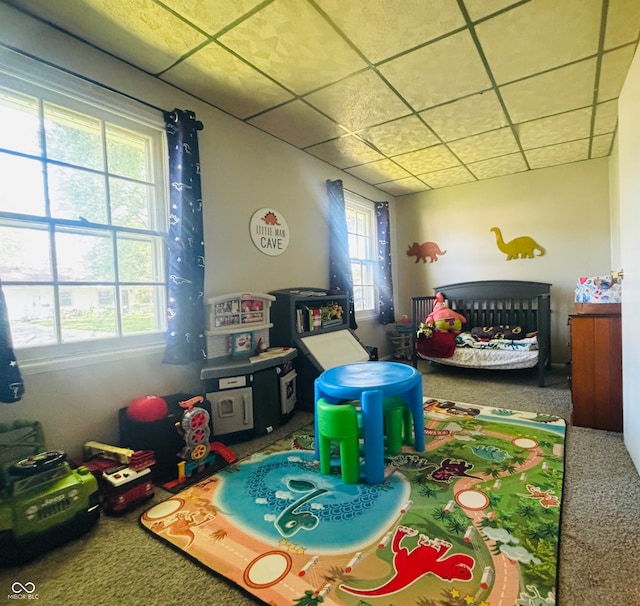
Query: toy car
x=121 y=487
x=43 y=503
x=123 y=475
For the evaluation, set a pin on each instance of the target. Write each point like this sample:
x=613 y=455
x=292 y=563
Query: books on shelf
x=312 y=319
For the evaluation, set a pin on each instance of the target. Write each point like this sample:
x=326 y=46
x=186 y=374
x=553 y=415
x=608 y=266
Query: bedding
x=498 y=332
x=469 y=352
x=466 y=339
x=508 y=326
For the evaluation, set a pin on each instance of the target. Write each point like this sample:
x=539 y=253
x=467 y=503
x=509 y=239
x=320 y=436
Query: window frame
x=358 y=203
x=31 y=77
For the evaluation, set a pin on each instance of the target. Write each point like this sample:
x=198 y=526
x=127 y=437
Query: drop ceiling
x=406 y=95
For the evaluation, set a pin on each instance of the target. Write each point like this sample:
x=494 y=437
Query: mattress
x=494 y=359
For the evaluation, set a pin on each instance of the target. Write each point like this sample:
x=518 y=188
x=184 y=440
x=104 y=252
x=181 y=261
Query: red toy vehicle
x=123 y=475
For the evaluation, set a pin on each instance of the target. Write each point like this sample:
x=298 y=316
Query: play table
x=370 y=383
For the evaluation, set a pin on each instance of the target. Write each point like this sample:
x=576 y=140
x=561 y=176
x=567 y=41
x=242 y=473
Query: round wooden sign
x=269 y=231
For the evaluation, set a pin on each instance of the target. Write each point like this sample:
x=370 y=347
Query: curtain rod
x=70 y=72
x=105 y=86
x=355 y=193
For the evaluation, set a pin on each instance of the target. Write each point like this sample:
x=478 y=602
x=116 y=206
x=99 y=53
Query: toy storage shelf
x=292 y=313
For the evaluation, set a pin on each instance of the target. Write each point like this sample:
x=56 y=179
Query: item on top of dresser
x=598 y=294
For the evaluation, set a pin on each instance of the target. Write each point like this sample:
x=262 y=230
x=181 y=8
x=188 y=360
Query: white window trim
x=75 y=88
x=46 y=76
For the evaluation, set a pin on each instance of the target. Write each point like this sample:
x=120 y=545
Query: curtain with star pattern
x=386 y=312
x=186 y=340
x=11 y=383
x=340 y=276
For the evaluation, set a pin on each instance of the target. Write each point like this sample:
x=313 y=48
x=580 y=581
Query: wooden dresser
x=596 y=370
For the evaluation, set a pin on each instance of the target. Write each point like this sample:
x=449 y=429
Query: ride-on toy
x=43 y=502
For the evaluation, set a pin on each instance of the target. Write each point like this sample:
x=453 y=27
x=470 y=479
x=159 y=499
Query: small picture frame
x=241 y=344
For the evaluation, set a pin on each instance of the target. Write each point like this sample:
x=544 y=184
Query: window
x=82 y=220
x=362 y=250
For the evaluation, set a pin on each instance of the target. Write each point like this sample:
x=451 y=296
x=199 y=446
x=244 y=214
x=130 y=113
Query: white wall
x=629 y=204
x=564 y=208
x=243 y=170
x=614 y=207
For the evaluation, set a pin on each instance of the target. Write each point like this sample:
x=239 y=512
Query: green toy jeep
x=43 y=502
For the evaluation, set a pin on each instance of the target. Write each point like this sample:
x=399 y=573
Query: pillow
x=440 y=345
x=512 y=333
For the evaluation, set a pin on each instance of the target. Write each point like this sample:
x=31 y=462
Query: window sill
x=366 y=316
x=46 y=365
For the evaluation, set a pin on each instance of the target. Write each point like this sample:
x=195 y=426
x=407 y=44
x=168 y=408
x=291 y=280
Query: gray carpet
x=119 y=564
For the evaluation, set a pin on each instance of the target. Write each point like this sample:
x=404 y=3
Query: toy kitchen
x=250 y=386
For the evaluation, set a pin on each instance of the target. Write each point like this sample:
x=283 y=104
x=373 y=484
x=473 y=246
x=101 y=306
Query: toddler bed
x=524 y=307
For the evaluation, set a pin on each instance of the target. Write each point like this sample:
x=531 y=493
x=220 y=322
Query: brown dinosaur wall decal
x=425 y=250
x=522 y=247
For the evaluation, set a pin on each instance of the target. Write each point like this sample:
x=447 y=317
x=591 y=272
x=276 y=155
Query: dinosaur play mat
x=473 y=521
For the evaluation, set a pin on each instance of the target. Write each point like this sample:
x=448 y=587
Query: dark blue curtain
x=11 y=384
x=186 y=341
x=340 y=277
x=386 y=312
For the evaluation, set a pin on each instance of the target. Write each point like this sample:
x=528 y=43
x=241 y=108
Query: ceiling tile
x=478 y=9
x=368 y=84
x=549 y=94
x=606 y=117
x=564 y=32
x=601 y=146
x=402 y=187
x=615 y=65
x=398 y=136
x=215 y=75
x=344 y=152
x=297 y=123
x=498 y=167
x=427 y=160
x=563 y=153
x=359 y=101
x=447 y=177
x=201 y=13
x=380 y=30
x=153 y=40
x=555 y=129
x=486 y=145
x=445 y=70
x=292 y=43
x=468 y=116
x=378 y=172
x=623 y=23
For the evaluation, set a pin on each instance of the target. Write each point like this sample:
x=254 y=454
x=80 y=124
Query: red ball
x=147 y=408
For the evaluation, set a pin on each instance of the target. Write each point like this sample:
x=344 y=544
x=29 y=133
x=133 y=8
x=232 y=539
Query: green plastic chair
x=342 y=423
x=398 y=424
x=339 y=423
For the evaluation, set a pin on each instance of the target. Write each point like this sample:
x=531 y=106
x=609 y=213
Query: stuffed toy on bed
x=444 y=319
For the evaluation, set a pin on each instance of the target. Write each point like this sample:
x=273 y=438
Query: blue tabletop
x=371 y=375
